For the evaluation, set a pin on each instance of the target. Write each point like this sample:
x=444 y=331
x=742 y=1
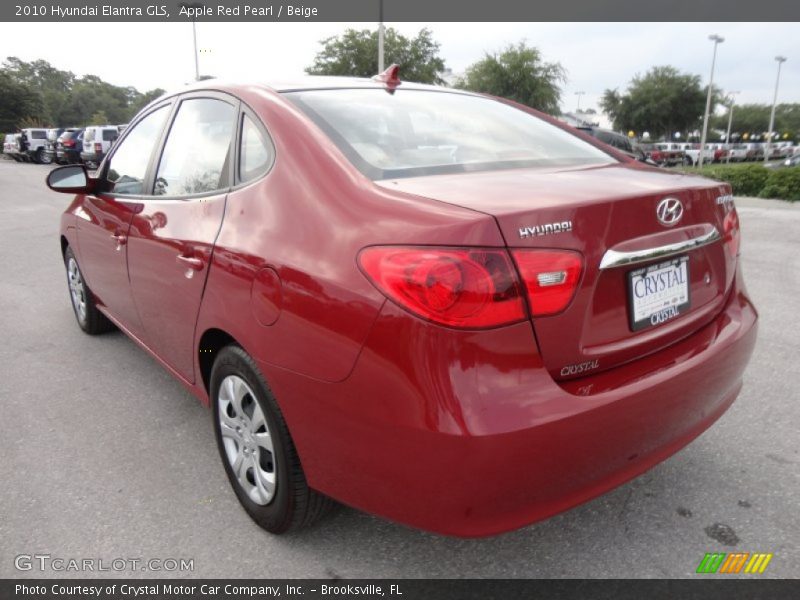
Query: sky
x=596 y=56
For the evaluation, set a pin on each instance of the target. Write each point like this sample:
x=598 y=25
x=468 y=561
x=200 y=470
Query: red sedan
x=445 y=309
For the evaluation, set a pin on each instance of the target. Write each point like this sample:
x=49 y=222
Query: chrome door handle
x=120 y=238
x=191 y=261
x=614 y=258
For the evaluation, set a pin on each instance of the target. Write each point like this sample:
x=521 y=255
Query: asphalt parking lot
x=104 y=455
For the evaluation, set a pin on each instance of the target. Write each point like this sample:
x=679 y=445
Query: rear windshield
x=410 y=133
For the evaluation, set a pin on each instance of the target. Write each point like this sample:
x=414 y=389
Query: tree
x=517 y=73
x=754 y=118
x=661 y=102
x=17 y=103
x=99 y=118
x=37 y=92
x=44 y=80
x=355 y=54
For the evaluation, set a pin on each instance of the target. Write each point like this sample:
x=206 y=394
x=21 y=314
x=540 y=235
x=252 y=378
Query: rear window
x=38 y=135
x=89 y=135
x=414 y=132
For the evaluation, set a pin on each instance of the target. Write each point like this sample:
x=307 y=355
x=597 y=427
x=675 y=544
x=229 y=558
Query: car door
x=173 y=232
x=105 y=219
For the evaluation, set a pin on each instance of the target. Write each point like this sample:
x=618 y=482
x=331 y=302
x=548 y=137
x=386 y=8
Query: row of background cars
x=671 y=154
x=68 y=145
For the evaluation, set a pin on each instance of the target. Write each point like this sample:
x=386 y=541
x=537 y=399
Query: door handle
x=120 y=238
x=191 y=261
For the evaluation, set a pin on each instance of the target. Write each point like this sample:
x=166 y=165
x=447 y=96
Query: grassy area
x=753 y=179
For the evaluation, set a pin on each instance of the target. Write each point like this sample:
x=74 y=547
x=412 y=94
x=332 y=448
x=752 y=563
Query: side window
x=196 y=157
x=128 y=165
x=256 y=153
x=38 y=135
x=109 y=135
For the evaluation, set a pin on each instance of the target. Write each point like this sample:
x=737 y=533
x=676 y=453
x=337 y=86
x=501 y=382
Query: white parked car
x=31 y=143
x=97 y=141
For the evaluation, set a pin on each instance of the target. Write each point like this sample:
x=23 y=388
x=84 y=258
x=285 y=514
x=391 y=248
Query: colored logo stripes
x=736 y=562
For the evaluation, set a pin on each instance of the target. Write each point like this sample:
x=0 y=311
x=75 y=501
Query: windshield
x=412 y=132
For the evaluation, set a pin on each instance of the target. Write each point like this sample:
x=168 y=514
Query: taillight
x=98 y=148
x=471 y=288
x=68 y=143
x=730 y=232
x=550 y=277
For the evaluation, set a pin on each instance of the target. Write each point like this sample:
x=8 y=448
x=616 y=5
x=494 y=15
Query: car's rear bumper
x=91 y=157
x=465 y=433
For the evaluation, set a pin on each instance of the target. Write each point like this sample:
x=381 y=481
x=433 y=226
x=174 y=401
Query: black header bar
x=401 y=10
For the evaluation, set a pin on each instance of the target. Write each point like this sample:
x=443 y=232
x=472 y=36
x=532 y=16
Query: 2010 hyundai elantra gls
x=439 y=307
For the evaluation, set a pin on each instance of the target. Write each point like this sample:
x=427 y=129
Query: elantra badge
x=669 y=211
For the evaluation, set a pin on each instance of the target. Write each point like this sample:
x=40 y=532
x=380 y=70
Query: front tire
x=89 y=318
x=256 y=448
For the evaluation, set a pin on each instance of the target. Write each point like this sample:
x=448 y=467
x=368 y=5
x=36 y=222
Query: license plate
x=658 y=293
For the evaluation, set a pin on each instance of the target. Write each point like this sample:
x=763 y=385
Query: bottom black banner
x=400 y=589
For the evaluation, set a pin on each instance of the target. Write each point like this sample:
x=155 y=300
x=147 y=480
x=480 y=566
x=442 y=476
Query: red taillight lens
x=730 y=233
x=471 y=288
x=550 y=277
x=69 y=143
x=98 y=148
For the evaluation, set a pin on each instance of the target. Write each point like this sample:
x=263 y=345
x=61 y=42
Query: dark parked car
x=445 y=309
x=69 y=146
x=618 y=141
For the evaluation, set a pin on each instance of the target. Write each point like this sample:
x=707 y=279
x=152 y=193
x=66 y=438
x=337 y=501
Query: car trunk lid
x=608 y=215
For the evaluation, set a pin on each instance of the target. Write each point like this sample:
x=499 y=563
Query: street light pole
x=579 y=94
x=380 y=39
x=196 y=59
x=781 y=60
x=730 y=122
x=717 y=41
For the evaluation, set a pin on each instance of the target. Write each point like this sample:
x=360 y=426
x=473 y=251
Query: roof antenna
x=391 y=76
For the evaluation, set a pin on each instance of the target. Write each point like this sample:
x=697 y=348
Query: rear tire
x=44 y=157
x=89 y=318
x=256 y=449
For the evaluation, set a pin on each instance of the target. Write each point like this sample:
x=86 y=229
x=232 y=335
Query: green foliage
x=745 y=180
x=99 y=118
x=756 y=180
x=355 y=54
x=32 y=123
x=518 y=73
x=754 y=118
x=50 y=97
x=17 y=101
x=661 y=102
x=783 y=183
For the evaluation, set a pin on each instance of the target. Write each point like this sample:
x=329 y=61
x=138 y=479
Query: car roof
x=310 y=82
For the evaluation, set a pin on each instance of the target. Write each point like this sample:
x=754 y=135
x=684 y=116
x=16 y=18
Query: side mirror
x=70 y=179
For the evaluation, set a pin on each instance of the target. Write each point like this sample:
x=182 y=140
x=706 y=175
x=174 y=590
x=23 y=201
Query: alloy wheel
x=76 y=289
x=247 y=439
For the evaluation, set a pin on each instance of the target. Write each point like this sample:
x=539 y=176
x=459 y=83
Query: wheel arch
x=211 y=342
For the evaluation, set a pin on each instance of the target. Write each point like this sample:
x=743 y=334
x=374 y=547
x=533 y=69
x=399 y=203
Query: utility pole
x=717 y=41
x=730 y=122
x=196 y=59
x=579 y=94
x=380 y=39
x=781 y=60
